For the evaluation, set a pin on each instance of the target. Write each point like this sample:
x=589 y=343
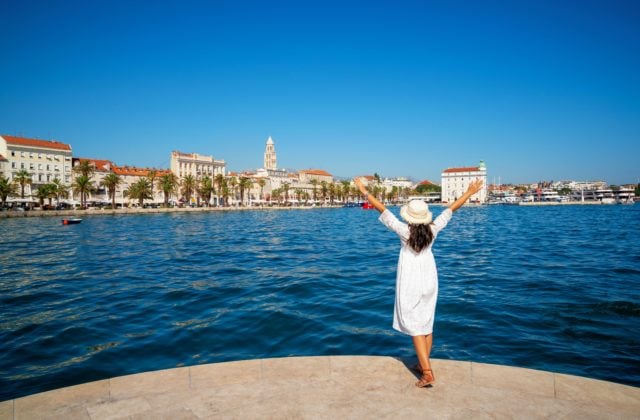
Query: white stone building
x=196 y=165
x=45 y=160
x=456 y=180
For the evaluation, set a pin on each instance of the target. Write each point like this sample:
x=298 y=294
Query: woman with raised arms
x=417 y=276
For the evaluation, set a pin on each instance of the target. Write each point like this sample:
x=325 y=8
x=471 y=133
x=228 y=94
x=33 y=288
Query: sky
x=540 y=90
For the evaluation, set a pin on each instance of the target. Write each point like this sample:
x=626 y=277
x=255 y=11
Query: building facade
x=307 y=175
x=270 y=162
x=101 y=168
x=44 y=160
x=129 y=175
x=196 y=165
x=456 y=180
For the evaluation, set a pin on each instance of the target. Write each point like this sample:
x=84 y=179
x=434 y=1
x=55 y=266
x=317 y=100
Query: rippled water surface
x=555 y=288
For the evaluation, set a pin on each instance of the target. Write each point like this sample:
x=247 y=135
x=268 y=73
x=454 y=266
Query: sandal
x=427 y=379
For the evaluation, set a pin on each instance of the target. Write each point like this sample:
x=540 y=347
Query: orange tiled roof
x=315 y=172
x=2 y=158
x=135 y=171
x=467 y=169
x=100 y=164
x=426 y=182
x=48 y=144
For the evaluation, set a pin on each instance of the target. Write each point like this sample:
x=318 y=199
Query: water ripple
x=546 y=288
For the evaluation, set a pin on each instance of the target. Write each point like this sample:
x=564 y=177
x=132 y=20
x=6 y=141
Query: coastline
x=129 y=211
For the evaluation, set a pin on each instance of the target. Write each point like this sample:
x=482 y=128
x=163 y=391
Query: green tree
x=83 y=186
x=262 y=182
x=232 y=182
x=85 y=168
x=637 y=191
x=219 y=181
x=140 y=190
x=152 y=175
x=111 y=182
x=7 y=189
x=285 y=187
x=428 y=188
x=314 y=182
x=324 y=191
x=206 y=189
x=188 y=184
x=59 y=189
x=44 y=192
x=168 y=184
x=244 y=184
x=22 y=178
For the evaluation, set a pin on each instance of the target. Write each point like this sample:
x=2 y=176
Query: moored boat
x=71 y=221
x=367 y=206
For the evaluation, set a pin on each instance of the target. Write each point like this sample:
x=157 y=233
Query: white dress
x=416 y=280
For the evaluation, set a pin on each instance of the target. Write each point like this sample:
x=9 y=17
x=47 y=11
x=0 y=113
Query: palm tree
x=275 y=194
x=111 y=182
x=85 y=168
x=332 y=192
x=225 y=192
x=262 y=183
x=244 y=184
x=346 y=189
x=168 y=183
x=59 y=189
x=314 y=182
x=219 y=181
x=188 y=187
x=23 y=178
x=231 y=183
x=44 y=192
x=83 y=186
x=205 y=189
x=7 y=189
x=285 y=186
x=151 y=176
x=140 y=190
x=324 y=190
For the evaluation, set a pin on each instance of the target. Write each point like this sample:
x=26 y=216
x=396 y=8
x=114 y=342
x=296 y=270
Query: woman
x=417 y=276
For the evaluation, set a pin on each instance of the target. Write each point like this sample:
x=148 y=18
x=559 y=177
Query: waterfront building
x=270 y=162
x=101 y=168
x=129 y=175
x=196 y=165
x=45 y=160
x=456 y=180
x=306 y=176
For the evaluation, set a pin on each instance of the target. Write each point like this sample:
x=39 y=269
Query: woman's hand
x=361 y=186
x=474 y=187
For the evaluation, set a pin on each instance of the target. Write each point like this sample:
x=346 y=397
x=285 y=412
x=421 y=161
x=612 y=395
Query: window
x=40 y=177
x=40 y=166
x=32 y=166
x=22 y=165
x=48 y=167
x=13 y=153
x=31 y=155
x=48 y=177
x=13 y=165
x=21 y=154
x=39 y=155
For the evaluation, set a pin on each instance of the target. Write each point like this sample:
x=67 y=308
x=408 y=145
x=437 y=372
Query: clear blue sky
x=539 y=90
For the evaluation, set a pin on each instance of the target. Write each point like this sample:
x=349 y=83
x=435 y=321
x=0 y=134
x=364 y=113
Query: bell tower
x=270 y=155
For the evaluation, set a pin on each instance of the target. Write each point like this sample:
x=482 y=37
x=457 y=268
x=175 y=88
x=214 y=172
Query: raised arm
x=473 y=188
x=372 y=199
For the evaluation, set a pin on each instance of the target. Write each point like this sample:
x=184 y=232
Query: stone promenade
x=333 y=387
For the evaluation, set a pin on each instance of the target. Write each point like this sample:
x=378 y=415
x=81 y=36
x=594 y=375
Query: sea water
x=554 y=288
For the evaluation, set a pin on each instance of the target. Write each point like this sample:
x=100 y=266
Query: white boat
x=624 y=196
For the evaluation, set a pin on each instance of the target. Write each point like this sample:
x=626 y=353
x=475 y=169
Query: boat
x=71 y=221
x=367 y=206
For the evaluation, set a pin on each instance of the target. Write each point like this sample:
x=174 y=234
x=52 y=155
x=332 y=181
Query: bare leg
x=423 y=344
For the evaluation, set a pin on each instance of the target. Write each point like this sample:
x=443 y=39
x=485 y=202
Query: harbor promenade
x=356 y=387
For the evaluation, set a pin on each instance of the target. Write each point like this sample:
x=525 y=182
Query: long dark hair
x=420 y=236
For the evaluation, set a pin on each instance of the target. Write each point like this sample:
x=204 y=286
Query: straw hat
x=416 y=212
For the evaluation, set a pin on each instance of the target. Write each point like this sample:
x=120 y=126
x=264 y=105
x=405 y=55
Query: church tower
x=270 y=155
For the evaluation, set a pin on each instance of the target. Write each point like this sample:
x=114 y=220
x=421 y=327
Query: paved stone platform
x=333 y=387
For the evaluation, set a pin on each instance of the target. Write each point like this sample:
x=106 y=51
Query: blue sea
x=553 y=288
